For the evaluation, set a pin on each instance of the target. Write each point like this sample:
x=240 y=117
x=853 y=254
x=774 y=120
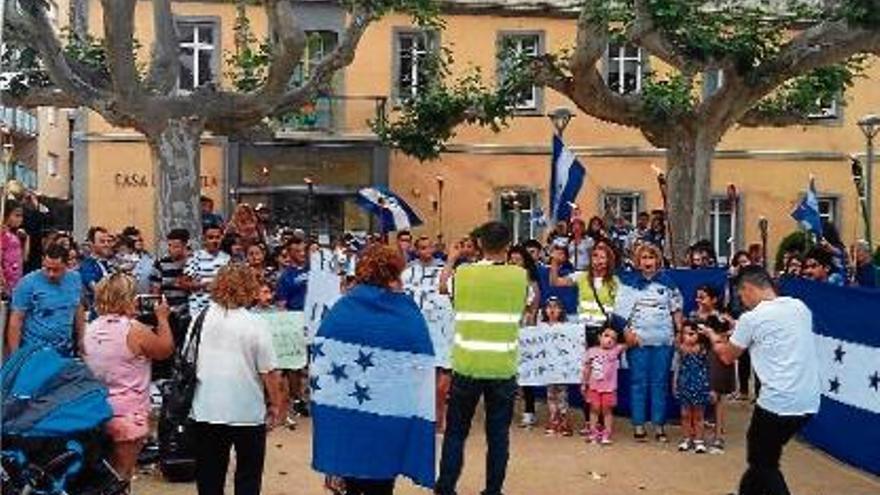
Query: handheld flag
x=391 y=210
x=372 y=389
x=566 y=178
x=807 y=211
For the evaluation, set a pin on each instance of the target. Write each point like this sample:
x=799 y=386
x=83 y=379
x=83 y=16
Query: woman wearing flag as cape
x=372 y=381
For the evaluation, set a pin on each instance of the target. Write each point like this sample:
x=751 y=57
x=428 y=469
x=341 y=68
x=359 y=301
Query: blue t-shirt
x=568 y=295
x=91 y=271
x=292 y=288
x=49 y=309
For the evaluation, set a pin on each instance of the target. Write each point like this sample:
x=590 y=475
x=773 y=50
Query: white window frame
x=617 y=197
x=198 y=48
x=306 y=64
x=715 y=218
x=827 y=112
x=515 y=41
x=620 y=58
x=503 y=199
x=430 y=41
x=830 y=204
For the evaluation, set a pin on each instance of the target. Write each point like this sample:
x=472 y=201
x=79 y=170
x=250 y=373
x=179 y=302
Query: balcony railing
x=19 y=121
x=337 y=115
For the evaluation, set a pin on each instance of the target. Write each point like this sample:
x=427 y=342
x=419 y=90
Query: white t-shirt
x=779 y=336
x=236 y=346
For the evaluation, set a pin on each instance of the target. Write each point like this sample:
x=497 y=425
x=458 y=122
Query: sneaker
x=565 y=430
x=528 y=420
x=685 y=445
x=585 y=431
x=290 y=423
x=717 y=446
x=606 y=439
x=640 y=434
x=700 y=447
x=660 y=435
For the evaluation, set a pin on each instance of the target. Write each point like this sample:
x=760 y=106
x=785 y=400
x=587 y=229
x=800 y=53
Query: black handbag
x=178 y=393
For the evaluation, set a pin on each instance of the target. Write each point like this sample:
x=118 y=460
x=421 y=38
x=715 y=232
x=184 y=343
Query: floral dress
x=693 y=379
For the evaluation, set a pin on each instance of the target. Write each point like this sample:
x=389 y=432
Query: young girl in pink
x=599 y=384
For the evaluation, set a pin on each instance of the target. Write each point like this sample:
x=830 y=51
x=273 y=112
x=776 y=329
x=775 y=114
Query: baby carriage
x=54 y=411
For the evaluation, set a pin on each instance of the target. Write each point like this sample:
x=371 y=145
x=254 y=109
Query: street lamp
x=870 y=126
x=560 y=119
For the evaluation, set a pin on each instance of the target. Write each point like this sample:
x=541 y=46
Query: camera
x=146 y=307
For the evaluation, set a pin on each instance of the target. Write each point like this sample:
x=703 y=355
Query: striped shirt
x=202 y=267
x=165 y=273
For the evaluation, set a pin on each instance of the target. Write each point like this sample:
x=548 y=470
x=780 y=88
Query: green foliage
x=249 y=62
x=670 y=98
x=805 y=95
x=865 y=13
x=89 y=52
x=425 y=13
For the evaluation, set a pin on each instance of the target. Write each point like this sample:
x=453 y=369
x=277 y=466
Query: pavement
x=542 y=465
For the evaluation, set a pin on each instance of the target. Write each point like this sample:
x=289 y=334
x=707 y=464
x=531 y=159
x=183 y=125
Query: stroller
x=54 y=411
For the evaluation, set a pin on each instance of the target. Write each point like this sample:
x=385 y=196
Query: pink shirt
x=12 y=259
x=600 y=368
x=126 y=376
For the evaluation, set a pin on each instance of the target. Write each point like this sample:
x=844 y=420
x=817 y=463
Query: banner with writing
x=423 y=284
x=551 y=354
x=288 y=338
x=323 y=289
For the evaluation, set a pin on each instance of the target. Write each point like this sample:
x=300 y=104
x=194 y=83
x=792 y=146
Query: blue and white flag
x=848 y=345
x=372 y=382
x=537 y=217
x=566 y=178
x=807 y=211
x=391 y=210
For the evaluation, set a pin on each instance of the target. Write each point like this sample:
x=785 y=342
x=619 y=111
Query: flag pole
x=733 y=199
x=763 y=227
x=667 y=226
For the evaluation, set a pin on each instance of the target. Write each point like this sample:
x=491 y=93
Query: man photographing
x=778 y=332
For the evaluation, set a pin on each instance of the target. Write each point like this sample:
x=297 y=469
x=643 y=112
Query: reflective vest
x=489 y=301
x=589 y=310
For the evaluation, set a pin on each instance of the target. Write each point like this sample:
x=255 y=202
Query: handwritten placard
x=288 y=338
x=422 y=284
x=323 y=289
x=550 y=354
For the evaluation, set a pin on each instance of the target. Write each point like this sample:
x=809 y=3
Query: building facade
x=483 y=175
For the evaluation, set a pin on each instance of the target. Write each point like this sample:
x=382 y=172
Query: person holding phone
x=119 y=350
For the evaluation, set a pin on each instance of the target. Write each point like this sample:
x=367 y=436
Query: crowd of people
x=92 y=299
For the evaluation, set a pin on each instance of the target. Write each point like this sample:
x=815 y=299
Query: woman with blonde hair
x=648 y=309
x=245 y=224
x=236 y=370
x=119 y=350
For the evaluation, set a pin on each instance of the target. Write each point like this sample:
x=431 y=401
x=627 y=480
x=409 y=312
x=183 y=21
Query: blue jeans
x=464 y=395
x=649 y=375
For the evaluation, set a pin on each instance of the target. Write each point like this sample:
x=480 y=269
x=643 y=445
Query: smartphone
x=146 y=303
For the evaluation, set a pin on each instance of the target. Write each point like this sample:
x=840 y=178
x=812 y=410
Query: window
x=828 y=109
x=413 y=67
x=624 y=68
x=52 y=165
x=516 y=213
x=318 y=45
x=622 y=204
x=721 y=227
x=514 y=47
x=198 y=53
x=828 y=209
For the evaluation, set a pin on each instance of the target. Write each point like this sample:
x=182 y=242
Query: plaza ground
x=546 y=465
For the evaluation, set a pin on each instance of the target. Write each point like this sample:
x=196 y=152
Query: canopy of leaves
x=807 y=95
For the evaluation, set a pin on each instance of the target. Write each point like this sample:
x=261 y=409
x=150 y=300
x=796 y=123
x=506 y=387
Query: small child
x=265 y=303
x=691 y=386
x=557 y=394
x=599 y=384
x=722 y=377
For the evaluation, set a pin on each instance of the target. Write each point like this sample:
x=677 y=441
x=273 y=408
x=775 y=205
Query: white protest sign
x=551 y=354
x=288 y=338
x=422 y=284
x=323 y=288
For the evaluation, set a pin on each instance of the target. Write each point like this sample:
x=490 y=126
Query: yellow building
x=483 y=174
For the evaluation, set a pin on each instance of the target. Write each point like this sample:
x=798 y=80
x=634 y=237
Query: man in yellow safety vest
x=489 y=297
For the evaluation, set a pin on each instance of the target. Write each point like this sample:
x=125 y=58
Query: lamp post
x=310 y=192
x=560 y=117
x=870 y=126
x=439 y=179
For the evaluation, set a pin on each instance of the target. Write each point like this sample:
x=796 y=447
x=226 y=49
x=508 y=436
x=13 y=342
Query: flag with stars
x=848 y=343
x=372 y=389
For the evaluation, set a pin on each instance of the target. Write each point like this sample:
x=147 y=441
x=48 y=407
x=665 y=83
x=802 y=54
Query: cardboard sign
x=422 y=283
x=288 y=338
x=551 y=354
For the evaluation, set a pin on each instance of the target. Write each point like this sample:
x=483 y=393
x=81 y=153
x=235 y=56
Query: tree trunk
x=689 y=175
x=176 y=167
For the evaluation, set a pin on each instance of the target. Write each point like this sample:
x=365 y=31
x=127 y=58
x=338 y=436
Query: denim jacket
x=647 y=305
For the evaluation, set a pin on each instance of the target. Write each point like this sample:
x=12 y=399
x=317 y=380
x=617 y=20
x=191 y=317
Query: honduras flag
x=566 y=178
x=848 y=344
x=807 y=211
x=393 y=212
x=372 y=383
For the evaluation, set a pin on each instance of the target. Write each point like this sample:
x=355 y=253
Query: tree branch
x=758 y=118
x=645 y=33
x=165 y=66
x=119 y=39
x=40 y=97
x=288 y=46
x=32 y=20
